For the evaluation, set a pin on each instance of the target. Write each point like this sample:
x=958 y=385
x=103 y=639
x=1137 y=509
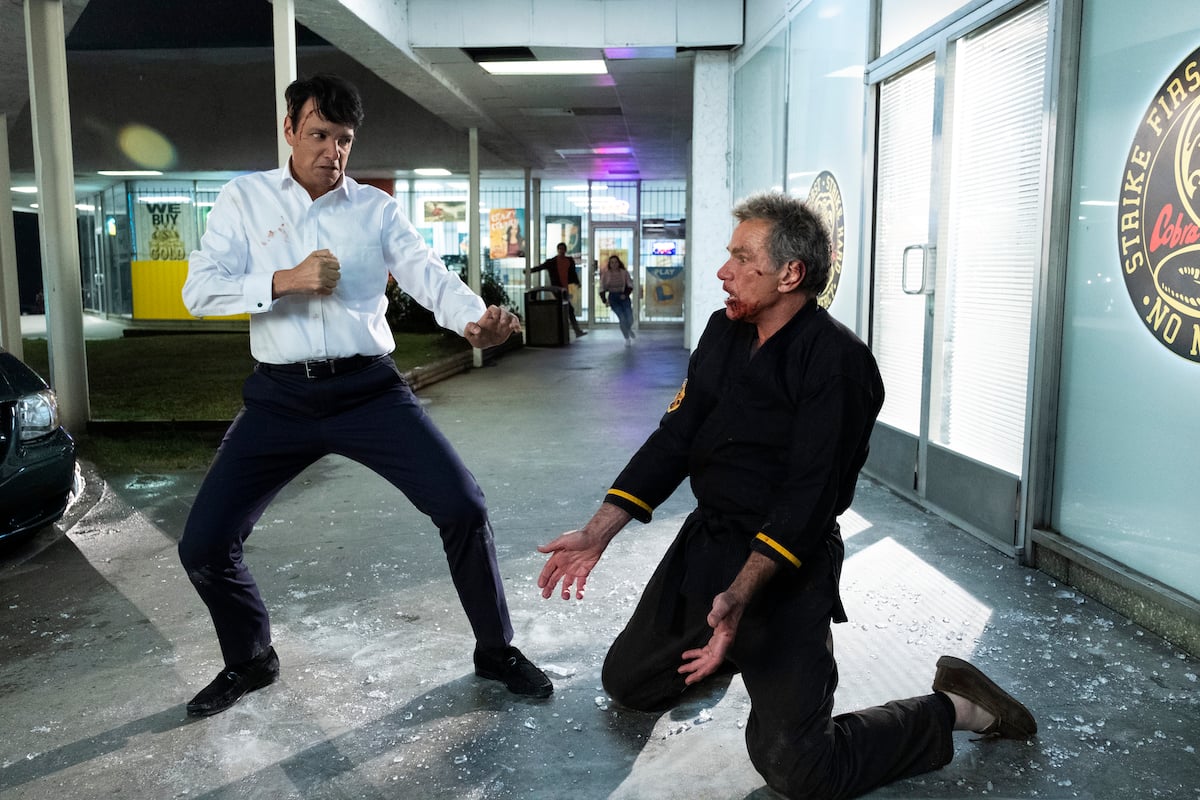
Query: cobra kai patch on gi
x=678 y=397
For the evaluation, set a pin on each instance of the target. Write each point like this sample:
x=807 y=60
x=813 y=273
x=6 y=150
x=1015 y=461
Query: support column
x=535 y=226
x=709 y=223
x=529 y=216
x=533 y=247
x=283 y=17
x=46 y=50
x=474 y=250
x=10 y=292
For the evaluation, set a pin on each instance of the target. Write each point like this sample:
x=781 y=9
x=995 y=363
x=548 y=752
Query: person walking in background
x=563 y=275
x=616 y=288
x=325 y=382
x=772 y=426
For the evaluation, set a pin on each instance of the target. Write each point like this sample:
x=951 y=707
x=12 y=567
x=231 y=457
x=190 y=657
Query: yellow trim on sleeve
x=778 y=548
x=632 y=499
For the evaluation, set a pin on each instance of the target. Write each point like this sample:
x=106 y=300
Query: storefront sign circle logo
x=1158 y=215
x=825 y=200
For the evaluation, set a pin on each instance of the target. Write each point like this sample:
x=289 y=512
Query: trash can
x=546 y=317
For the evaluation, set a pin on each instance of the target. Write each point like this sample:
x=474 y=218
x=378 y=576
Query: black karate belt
x=323 y=368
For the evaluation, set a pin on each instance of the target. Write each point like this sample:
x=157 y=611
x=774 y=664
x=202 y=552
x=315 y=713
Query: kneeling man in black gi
x=772 y=427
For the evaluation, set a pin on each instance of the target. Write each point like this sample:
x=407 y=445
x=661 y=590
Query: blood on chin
x=736 y=309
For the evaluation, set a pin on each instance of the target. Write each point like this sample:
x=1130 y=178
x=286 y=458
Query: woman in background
x=616 y=287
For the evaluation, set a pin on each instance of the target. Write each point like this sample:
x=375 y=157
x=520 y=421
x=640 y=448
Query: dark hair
x=620 y=263
x=797 y=234
x=335 y=99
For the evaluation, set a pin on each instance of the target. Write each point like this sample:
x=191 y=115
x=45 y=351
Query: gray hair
x=797 y=234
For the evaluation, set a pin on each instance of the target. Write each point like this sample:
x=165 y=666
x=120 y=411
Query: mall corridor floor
x=103 y=640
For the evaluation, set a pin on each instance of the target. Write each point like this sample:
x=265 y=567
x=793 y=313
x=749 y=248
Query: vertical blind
x=992 y=239
x=902 y=199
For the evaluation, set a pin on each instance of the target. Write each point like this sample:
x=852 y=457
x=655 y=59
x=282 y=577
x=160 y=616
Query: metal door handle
x=923 y=287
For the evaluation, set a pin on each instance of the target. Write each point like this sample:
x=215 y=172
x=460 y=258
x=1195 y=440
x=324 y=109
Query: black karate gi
x=773 y=442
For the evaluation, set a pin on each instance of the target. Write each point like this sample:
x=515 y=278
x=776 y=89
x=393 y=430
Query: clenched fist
x=317 y=274
x=494 y=327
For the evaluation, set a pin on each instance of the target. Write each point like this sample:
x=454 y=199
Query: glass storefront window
x=827 y=54
x=901 y=20
x=1125 y=467
x=760 y=87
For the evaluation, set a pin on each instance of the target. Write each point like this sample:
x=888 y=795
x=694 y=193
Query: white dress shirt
x=266 y=221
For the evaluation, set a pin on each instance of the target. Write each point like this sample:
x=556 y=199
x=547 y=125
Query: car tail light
x=37 y=415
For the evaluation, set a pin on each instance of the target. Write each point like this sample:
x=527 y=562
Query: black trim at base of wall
x=1158 y=608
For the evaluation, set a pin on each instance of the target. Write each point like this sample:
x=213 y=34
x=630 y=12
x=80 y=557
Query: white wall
x=709 y=220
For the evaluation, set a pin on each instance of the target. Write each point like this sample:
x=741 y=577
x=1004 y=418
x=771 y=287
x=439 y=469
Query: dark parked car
x=37 y=456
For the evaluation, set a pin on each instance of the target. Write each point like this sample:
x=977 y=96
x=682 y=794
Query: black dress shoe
x=233 y=682
x=509 y=666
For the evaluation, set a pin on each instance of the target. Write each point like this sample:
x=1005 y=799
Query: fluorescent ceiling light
x=25 y=189
x=625 y=53
x=84 y=207
x=584 y=67
x=547 y=112
x=1101 y=203
x=129 y=173
x=432 y=172
x=601 y=205
x=568 y=152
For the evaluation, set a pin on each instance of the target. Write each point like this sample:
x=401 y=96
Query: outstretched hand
x=573 y=554
x=494 y=327
x=724 y=618
x=572 y=557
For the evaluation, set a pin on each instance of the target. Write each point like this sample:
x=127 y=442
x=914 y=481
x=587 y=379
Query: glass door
x=661 y=285
x=611 y=239
x=961 y=154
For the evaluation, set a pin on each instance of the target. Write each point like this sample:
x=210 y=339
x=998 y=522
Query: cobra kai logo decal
x=1158 y=218
x=825 y=200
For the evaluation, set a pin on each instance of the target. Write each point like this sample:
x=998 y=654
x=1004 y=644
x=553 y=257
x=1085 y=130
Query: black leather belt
x=323 y=368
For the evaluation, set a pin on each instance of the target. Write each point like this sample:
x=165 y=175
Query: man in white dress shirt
x=307 y=252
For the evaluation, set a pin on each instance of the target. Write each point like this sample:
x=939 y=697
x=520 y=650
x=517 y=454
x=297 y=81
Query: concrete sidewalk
x=94 y=326
x=103 y=640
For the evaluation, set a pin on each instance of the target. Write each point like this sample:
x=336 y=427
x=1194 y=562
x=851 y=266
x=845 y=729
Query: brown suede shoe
x=1013 y=720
